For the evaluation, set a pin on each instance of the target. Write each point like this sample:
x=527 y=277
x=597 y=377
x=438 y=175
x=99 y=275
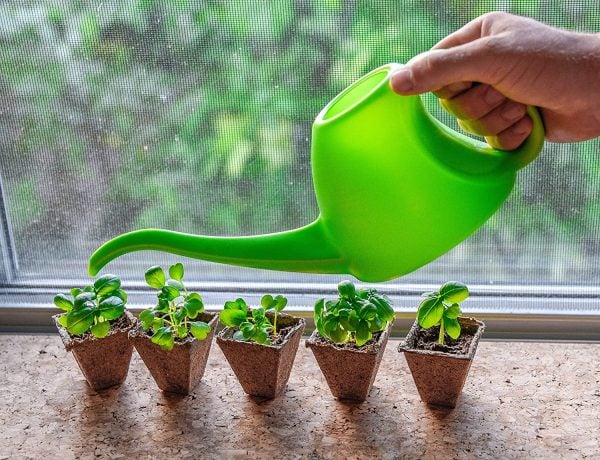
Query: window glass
x=196 y=117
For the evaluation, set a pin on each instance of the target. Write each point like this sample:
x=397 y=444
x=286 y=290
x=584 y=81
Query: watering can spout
x=306 y=249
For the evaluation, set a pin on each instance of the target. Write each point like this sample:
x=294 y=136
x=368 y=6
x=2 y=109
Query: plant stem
x=441 y=337
x=275 y=324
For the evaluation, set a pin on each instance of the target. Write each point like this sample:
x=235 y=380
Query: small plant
x=171 y=317
x=93 y=307
x=441 y=308
x=254 y=328
x=354 y=316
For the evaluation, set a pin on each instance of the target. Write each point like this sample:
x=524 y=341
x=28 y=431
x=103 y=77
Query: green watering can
x=395 y=187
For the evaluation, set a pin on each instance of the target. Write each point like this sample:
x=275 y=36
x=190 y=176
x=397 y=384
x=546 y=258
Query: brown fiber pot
x=440 y=376
x=103 y=362
x=178 y=370
x=349 y=372
x=263 y=370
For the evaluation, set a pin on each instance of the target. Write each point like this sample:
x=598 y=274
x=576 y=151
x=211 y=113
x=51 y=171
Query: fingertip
x=402 y=81
x=453 y=89
x=512 y=137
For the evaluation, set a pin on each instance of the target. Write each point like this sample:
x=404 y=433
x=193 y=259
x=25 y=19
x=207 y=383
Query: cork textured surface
x=440 y=377
x=263 y=371
x=104 y=362
x=178 y=370
x=349 y=373
x=521 y=400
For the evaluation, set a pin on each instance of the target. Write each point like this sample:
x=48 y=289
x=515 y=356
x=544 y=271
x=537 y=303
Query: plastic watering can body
x=396 y=189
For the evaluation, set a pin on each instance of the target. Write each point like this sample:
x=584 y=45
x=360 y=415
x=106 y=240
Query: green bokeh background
x=196 y=117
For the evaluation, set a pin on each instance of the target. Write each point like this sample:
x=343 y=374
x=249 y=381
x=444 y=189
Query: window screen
x=196 y=117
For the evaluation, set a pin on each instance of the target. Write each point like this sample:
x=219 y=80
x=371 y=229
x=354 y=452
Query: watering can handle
x=476 y=157
x=530 y=149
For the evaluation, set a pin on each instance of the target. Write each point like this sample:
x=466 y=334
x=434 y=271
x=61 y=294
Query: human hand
x=488 y=71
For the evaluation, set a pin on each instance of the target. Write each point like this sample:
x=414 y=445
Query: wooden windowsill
x=522 y=400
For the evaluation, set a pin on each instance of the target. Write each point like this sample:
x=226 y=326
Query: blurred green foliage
x=196 y=116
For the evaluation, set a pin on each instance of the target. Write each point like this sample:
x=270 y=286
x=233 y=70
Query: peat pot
x=348 y=369
x=104 y=362
x=438 y=375
x=263 y=370
x=178 y=370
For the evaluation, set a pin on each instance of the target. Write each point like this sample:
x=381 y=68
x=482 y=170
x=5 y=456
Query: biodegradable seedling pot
x=104 y=362
x=178 y=370
x=349 y=372
x=440 y=376
x=263 y=370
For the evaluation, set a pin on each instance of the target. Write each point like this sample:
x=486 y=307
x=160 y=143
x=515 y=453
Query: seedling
x=93 y=307
x=254 y=328
x=276 y=304
x=354 y=316
x=441 y=308
x=172 y=316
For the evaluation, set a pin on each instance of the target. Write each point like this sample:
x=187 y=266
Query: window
x=197 y=117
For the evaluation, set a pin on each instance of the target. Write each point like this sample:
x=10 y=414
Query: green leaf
x=262 y=337
x=318 y=316
x=157 y=323
x=238 y=304
x=147 y=319
x=232 y=317
x=452 y=312
x=169 y=292
x=82 y=299
x=176 y=271
x=239 y=335
x=347 y=290
x=454 y=292
x=176 y=284
x=179 y=315
x=62 y=320
x=258 y=314
x=163 y=337
x=267 y=301
x=332 y=305
x=79 y=321
x=155 y=277
x=430 y=294
x=76 y=291
x=364 y=293
x=368 y=311
x=348 y=319
x=106 y=284
x=334 y=331
x=452 y=327
x=162 y=306
x=100 y=330
x=111 y=308
x=430 y=312
x=376 y=325
x=384 y=310
x=199 y=329
x=319 y=308
x=121 y=294
x=193 y=295
x=181 y=331
x=193 y=307
x=363 y=334
x=248 y=329
x=280 y=303
x=63 y=302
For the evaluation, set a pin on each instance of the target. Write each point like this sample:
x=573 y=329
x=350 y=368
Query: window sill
x=521 y=316
x=520 y=400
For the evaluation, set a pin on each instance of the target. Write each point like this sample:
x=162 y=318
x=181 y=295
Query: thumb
x=438 y=68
